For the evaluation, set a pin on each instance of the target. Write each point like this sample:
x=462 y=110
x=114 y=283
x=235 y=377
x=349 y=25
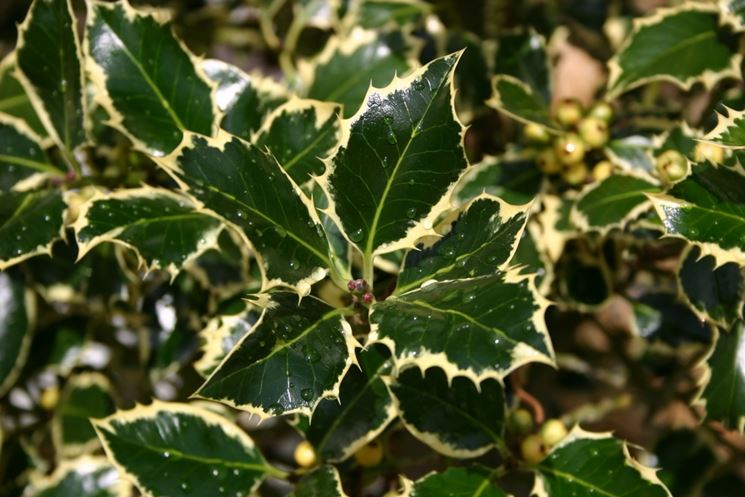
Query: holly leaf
x=247 y=187
x=399 y=160
x=13 y=98
x=299 y=134
x=85 y=396
x=513 y=179
x=733 y=13
x=723 y=382
x=457 y=418
x=48 y=59
x=523 y=56
x=177 y=449
x=83 y=477
x=145 y=79
x=518 y=100
x=293 y=357
x=691 y=50
x=730 y=129
x=479 y=242
x=372 y=14
x=587 y=463
x=633 y=153
x=244 y=100
x=612 y=202
x=164 y=229
x=222 y=333
x=340 y=427
x=23 y=162
x=465 y=482
x=708 y=210
x=17 y=318
x=349 y=65
x=321 y=482
x=30 y=222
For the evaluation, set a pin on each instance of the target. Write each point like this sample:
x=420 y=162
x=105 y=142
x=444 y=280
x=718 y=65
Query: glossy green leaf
x=339 y=427
x=177 y=449
x=17 y=316
x=633 y=153
x=321 y=482
x=224 y=269
x=348 y=66
x=514 y=180
x=13 y=98
x=371 y=14
x=708 y=209
x=715 y=293
x=29 y=224
x=293 y=357
x=222 y=333
x=680 y=45
x=723 y=393
x=518 y=100
x=84 y=477
x=523 y=56
x=612 y=202
x=145 y=79
x=730 y=129
x=49 y=59
x=457 y=417
x=245 y=100
x=23 y=162
x=481 y=327
x=480 y=242
x=84 y=397
x=463 y=482
x=400 y=156
x=248 y=188
x=299 y=134
x=594 y=464
x=166 y=230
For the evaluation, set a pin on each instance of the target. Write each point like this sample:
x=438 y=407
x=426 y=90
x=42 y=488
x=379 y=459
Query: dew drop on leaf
x=411 y=213
x=356 y=235
x=391 y=137
x=294 y=264
x=307 y=394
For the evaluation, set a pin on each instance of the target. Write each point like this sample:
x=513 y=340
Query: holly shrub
x=372 y=247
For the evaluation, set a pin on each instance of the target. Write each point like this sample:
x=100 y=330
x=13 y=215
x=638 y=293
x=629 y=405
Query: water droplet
x=356 y=235
x=221 y=490
x=276 y=408
x=215 y=472
x=47 y=218
x=388 y=119
x=280 y=231
x=411 y=213
x=294 y=264
x=166 y=454
x=307 y=394
x=692 y=231
x=391 y=137
x=236 y=472
x=311 y=354
x=419 y=85
x=385 y=161
x=185 y=487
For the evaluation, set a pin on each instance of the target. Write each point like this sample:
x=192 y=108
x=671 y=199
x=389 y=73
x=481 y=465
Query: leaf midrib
x=607 y=199
x=573 y=478
x=31 y=164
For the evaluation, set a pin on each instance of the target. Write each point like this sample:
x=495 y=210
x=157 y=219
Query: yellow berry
x=533 y=449
x=575 y=174
x=568 y=112
x=548 y=162
x=49 y=398
x=602 y=170
x=370 y=454
x=594 y=131
x=569 y=148
x=536 y=133
x=708 y=151
x=305 y=454
x=553 y=431
x=602 y=111
x=671 y=166
x=520 y=422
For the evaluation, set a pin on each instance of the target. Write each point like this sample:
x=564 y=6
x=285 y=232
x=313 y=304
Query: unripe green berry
x=533 y=449
x=536 y=133
x=553 y=431
x=569 y=148
x=594 y=131
x=548 y=162
x=569 y=112
x=575 y=174
x=520 y=422
x=602 y=170
x=602 y=111
x=671 y=166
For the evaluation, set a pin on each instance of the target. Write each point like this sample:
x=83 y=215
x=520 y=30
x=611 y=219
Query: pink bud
x=368 y=298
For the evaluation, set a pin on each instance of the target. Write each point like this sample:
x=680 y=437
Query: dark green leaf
x=517 y=100
x=523 y=56
x=373 y=14
x=321 y=482
x=632 y=153
x=463 y=482
x=612 y=202
x=17 y=316
x=730 y=129
x=514 y=180
x=13 y=98
x=84 y=477
x=23 y=163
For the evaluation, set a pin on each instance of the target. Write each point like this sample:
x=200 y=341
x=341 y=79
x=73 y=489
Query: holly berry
x=708 y=151
x=575 y=174
x=602 y=111
x=569 y=148
x=553 y=431
x=49 y=398
x=602 y=170
x=368 y=298
x=548 y=162
x=520 y=422
x=533 y=449
x=358 y=286
x=370 y=454
x=594 y=131
x=568 y=112
x=671 y=166
x=305 y=454
x=536 y=133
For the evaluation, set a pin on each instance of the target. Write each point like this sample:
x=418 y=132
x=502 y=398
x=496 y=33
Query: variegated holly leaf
x=30 y=222
x=145 y=79
x=177 y=449
x=479 y=242
x=293 y=357
x=587 y=463
x=523 y=56
x=708 y=209
x=340 y=427
x=299 y=134
x=400 y=158
x=678 y=44
x=13 y=98
x=463 y=482
x=481 y=327
x=48 y=59
x=730 y=129
x=453 y=416
x=518 y=100
x=348 y=66
x=244 y=100
x=321 y=482
x=225 y=269
x=372 y=14
x=17 y=317
x=84 y=397
x=715 y=294
x=513 y=179
x=633 y=153
x=250 y=190
x=222 y=333
x=165 y=229
x=23 y=162
x=83 y=477
x=723 y=382
x=612 y=202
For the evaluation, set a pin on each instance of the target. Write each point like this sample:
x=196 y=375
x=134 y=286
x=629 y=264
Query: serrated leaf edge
x=213 y=334
x=80 y=464
x=29 y=300
x=496 y=102
x=725 y=123
x=44 y=169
